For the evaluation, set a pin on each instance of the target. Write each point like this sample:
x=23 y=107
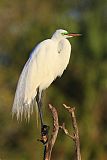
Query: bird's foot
x=44 y=134
x=44 y=130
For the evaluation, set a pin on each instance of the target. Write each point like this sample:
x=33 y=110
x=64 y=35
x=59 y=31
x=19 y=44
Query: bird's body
x=47 y=61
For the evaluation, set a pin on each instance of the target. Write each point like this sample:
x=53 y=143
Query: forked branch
x=48 y=146
x=75 y=137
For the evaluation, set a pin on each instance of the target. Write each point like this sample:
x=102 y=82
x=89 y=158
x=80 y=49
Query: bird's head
x=60 y=34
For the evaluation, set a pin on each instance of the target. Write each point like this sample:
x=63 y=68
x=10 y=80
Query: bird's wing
x=35 y=70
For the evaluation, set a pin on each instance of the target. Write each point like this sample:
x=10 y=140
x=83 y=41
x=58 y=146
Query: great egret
x=48 y=60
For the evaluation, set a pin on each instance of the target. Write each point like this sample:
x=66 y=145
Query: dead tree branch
x=49 y=145
x=76 y=132
x=49 y=142
x=66 y=131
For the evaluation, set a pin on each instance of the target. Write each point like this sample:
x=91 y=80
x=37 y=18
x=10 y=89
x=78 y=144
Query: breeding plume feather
x=48 y=60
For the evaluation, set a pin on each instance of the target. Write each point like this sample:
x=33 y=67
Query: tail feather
x=25 y=94
x=25 y=109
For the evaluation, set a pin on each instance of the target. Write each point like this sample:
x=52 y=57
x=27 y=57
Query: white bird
x=48 y=60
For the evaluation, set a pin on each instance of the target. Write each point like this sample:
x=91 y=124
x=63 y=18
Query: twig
x=76 y=134
x=49 y=145
x=66 y=131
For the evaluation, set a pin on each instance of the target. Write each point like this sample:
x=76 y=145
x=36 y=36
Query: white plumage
x=47 y=61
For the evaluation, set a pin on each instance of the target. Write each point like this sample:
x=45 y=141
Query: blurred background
x=23 y=24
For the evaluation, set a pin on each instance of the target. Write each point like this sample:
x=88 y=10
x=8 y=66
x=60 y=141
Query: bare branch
x=76 y=137
x=49 y=145
x=49 y=142
x=66 y=131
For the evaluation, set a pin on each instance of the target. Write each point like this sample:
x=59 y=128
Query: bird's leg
x=44 y=128
x=39 y=103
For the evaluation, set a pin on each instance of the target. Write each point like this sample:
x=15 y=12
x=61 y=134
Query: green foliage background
x=25 y=23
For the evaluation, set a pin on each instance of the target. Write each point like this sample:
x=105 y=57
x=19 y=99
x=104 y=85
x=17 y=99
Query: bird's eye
x=64 y=33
